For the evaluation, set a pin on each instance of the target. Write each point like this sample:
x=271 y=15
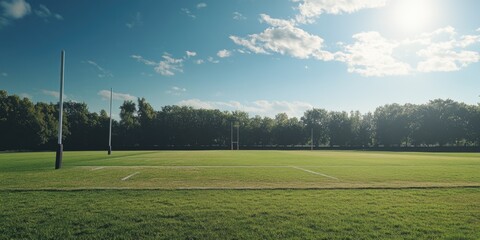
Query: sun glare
x=412 y=15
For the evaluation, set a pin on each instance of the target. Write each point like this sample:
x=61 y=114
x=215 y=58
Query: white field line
x=129 y=176
x=316 y=173
x=193 y=166
x=262 y=166
x=367 y=186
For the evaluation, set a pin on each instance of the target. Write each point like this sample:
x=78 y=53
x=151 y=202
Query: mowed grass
x=240 y=195
x=241 y=214
x=239 y=169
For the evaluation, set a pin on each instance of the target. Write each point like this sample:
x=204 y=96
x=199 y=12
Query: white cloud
x=271 y=108
x=26 y=95
x=260 y=107
x=442 y=58
x=440 y=54
x=176 y=91
x=437 y=65
x=142 y=60
x=167 y=67
x=442 y=50
x=224 y=53
x=242 y=51
x=371 y=55
x=102 y=71
x=275 y=22
x=187 y=12
x=15 y=9
x=105 y=94
x=196 y=103
x=45 y=13
x=179 y=89
x=199 y=61
x=146 y=74
x=3 y=22
x=468 y=40
x=53 y=94
x=442 y=34
x=309 y=10
x=136 y=21
x=4 y=74
x=250 y=43
x=212 y=60
x=191 y=54
x=238 y=16
x=201 y=5
x=285 y=38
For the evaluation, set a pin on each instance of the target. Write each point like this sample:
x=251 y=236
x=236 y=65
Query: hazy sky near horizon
x=259 y=56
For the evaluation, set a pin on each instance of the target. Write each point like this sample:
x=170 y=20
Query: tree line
x=33 y=126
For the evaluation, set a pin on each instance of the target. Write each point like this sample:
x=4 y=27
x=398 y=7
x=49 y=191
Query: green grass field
x=240 y=195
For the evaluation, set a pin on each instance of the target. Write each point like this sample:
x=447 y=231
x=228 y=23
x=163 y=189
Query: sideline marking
x=97 y=168
x=193 y=166
x=312 y=172
x=129 y=176
x=265 y=166
x=243 y=188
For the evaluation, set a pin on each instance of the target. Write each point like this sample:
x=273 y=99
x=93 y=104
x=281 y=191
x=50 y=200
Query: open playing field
x=241 y=194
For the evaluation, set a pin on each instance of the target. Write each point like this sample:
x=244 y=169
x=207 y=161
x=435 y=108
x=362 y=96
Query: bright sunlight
x=413 y=15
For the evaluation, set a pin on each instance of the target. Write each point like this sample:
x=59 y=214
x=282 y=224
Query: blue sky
x=263 y=57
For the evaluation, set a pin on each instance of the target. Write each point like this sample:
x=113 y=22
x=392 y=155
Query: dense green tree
x=146 y=116
x=129 y=124
x=362 y=129
x=24 y=125
x=316 y=119
x=19 y=123
x=77 y=115
x=440 y=122
x=340 y=129
x=391 y=125
x=47 y=115
x=287 y=131
x=128 y=112
x=473 y=124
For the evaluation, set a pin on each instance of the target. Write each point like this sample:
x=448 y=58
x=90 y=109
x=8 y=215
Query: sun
x=412 y=15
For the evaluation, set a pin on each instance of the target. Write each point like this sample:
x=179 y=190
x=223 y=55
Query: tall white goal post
x=59 y=155
x=110 y=125
x=232 y=142
x=311 y=140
